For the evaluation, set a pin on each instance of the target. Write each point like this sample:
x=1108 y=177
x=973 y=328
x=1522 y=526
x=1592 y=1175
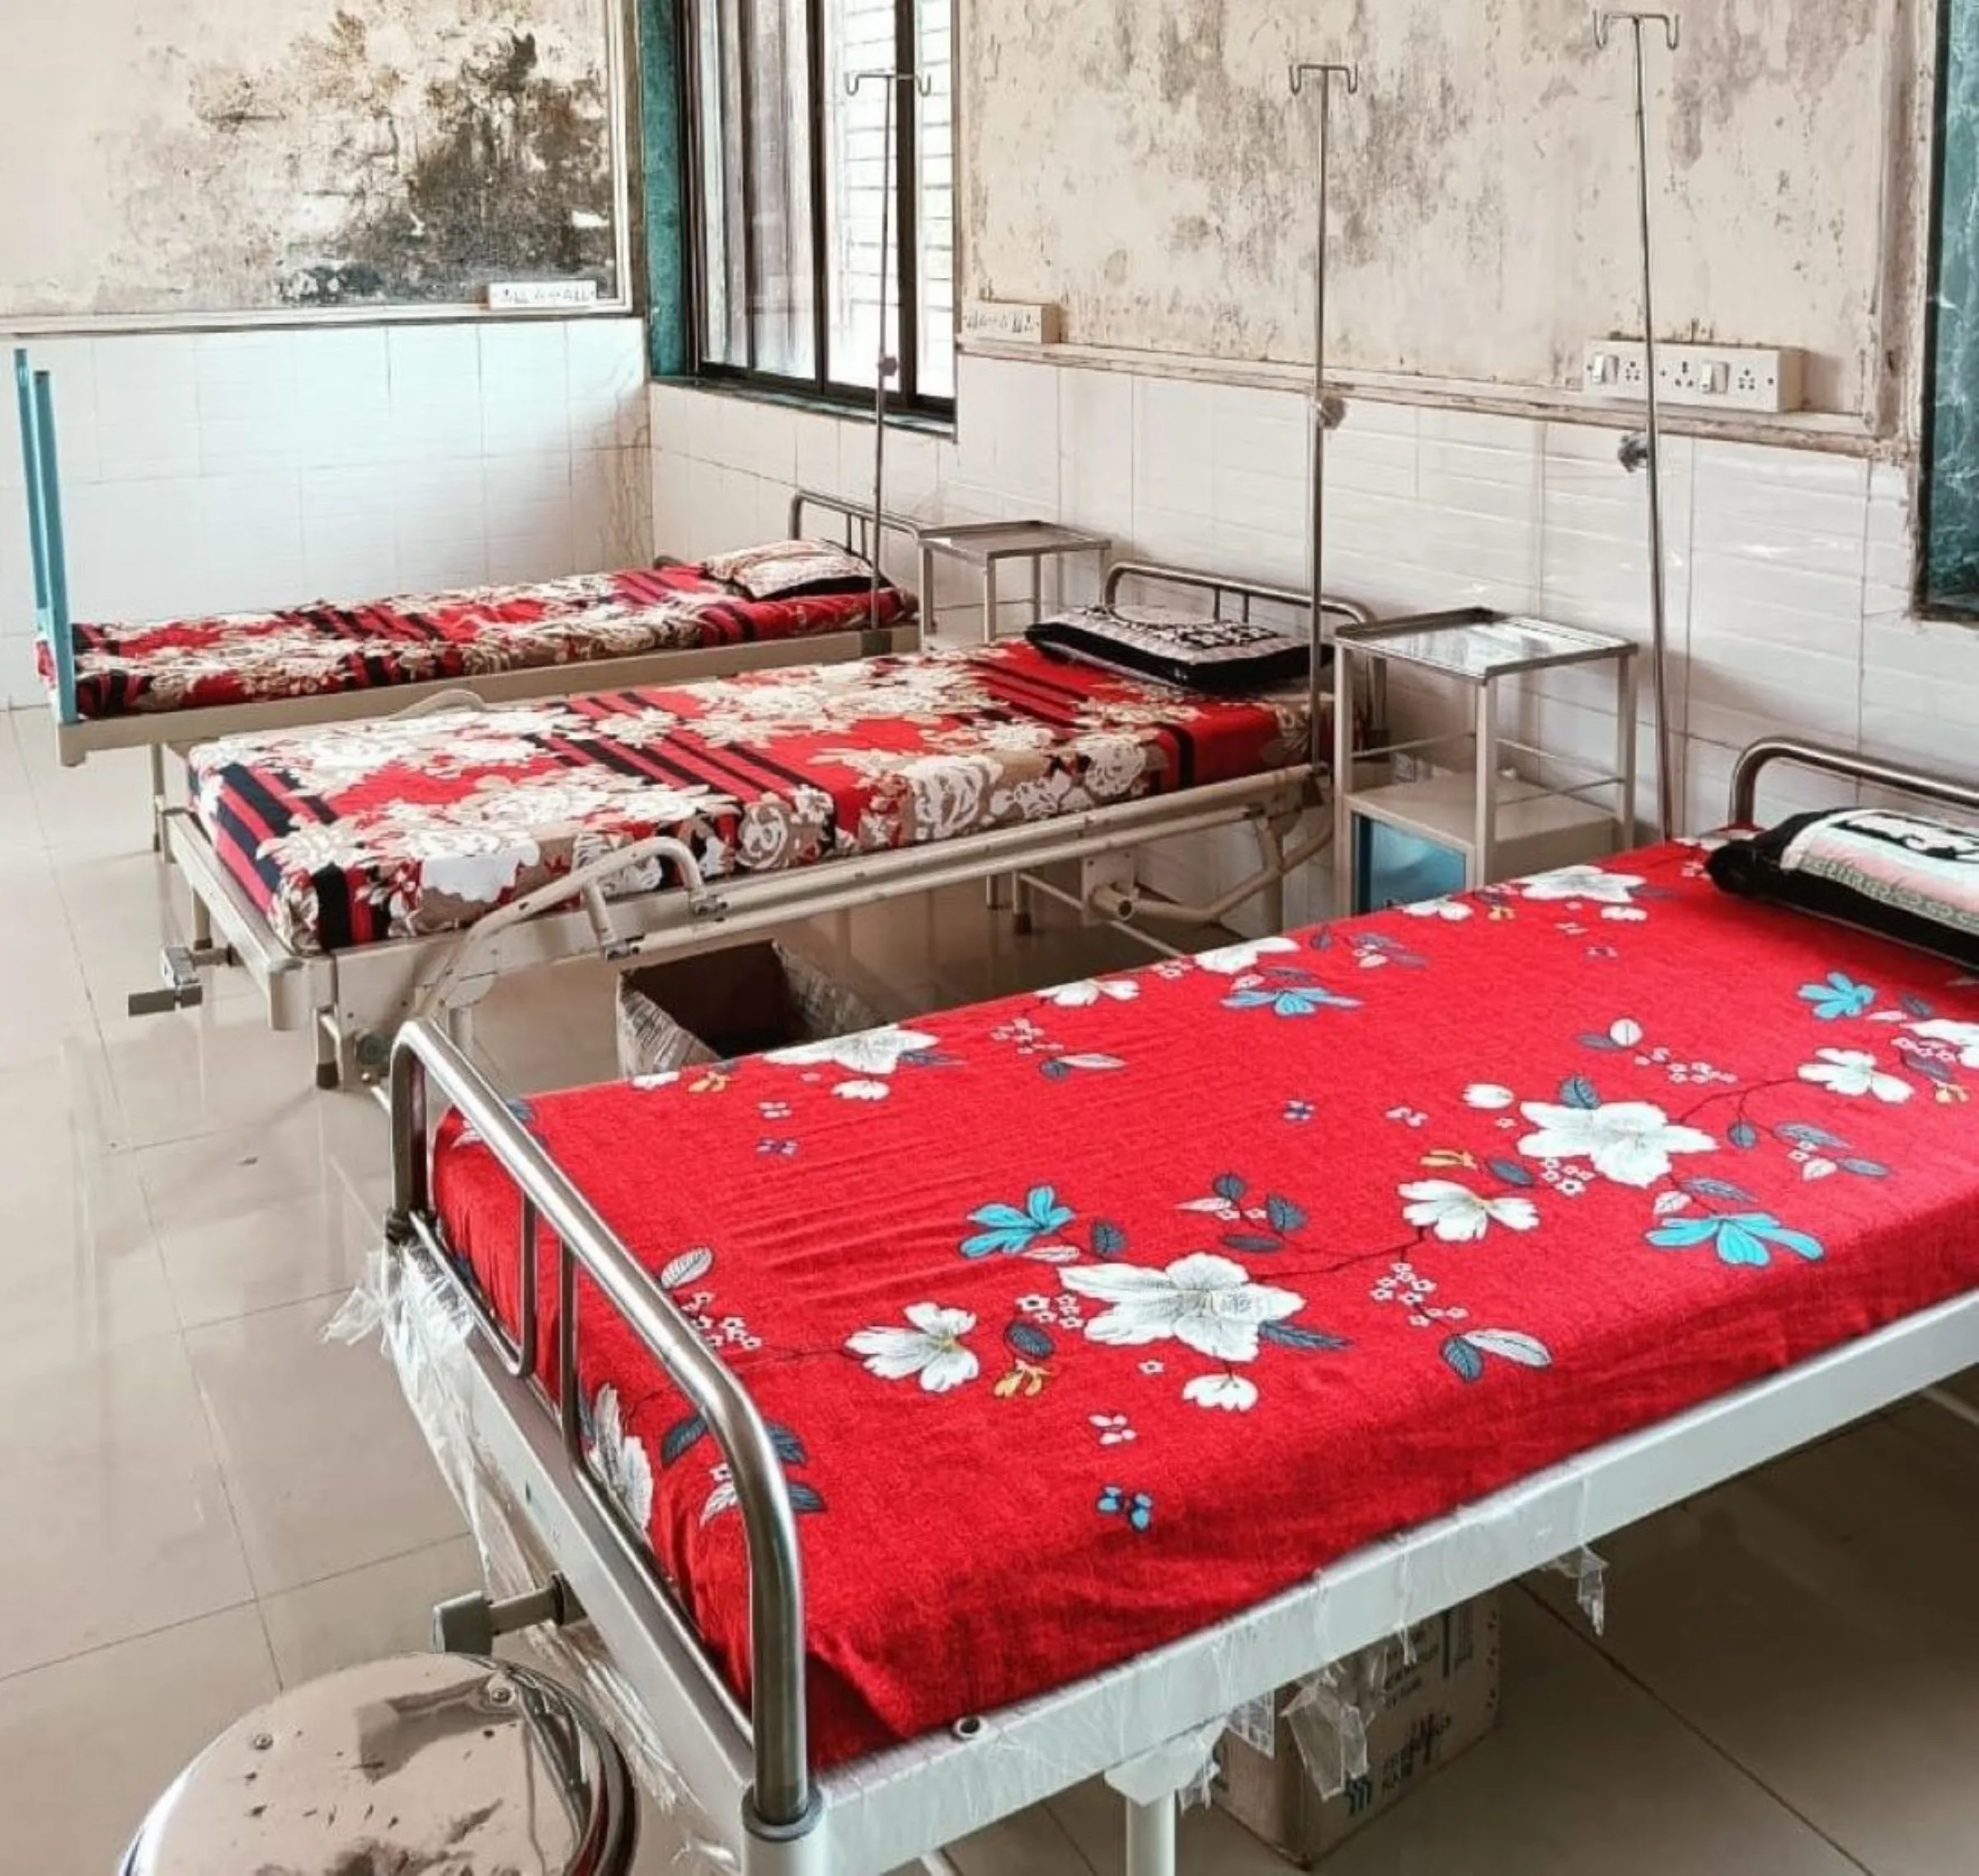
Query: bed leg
x=995 y=893
x=202 y=925
x=1273 y=900
x=156 y=753
x=329 y=1053
x=1151 y=1837
x=1023 y=921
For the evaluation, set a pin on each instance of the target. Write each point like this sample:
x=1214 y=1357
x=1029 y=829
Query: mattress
x=312 y=650
x=1089 y=1320
x=353 y=834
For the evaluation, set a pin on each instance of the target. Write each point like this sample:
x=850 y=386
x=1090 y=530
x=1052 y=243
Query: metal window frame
x=906 y=396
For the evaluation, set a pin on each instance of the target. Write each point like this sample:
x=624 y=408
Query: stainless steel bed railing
x=1220 y=587
x=424 y=1061
x=1846 y=765
x=858 y=519
x=1248 y=593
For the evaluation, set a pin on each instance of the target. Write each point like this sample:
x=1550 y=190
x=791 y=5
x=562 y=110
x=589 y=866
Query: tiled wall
x=211 y=471
x=1789 y=570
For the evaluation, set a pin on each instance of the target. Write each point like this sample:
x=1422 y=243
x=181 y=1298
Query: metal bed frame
x=354 y=1000
x=750 y=1770
x=77 y=737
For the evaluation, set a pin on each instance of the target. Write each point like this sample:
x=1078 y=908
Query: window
x=790 y=178
x=1950 y=581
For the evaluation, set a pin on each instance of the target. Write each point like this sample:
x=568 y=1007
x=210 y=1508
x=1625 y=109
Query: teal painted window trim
x=664 y=144
x=1951 y=556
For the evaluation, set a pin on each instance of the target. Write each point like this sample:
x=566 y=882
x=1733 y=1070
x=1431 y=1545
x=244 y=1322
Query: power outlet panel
x=1725 y=377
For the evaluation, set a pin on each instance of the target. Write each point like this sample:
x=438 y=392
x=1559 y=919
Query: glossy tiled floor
x=201 y=1500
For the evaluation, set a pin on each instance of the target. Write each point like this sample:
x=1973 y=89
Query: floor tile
x=85 y=1274
x=292 y=1251
x=1815 y=1622
x=116 y=1518
x=383 y=1608
x=325 y=1465
x=195 y=1072
x=88 y=1745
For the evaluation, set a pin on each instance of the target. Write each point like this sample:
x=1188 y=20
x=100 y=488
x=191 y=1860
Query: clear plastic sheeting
x=426 y=1332
x=1185 y=1768
x=1588 y=1573
x=1328 y=1718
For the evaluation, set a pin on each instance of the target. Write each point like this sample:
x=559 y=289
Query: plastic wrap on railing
x=1588 y=1573
x=426 y=1333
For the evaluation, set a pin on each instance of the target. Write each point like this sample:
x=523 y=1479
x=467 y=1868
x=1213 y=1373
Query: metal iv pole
x=887 y=364
x=1646 y=451
x=1325 y=415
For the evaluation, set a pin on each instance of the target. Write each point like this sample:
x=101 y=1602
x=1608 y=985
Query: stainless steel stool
x=447 y=1764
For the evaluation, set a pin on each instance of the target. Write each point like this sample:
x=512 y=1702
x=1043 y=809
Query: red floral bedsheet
x=312 y=650
x=354 y=833
x=1086 y=1320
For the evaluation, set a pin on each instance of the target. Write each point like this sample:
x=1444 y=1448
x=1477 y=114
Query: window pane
x=935 y=164
x=780 y=157
x=858 y=37
x=1951 y=568
x=718 y=109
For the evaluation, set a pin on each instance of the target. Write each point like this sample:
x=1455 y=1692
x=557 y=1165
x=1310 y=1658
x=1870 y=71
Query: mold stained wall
x=1142 y=163
x=240 y=156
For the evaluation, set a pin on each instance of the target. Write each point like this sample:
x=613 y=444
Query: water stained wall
x=1142 y=163
x=224 y=156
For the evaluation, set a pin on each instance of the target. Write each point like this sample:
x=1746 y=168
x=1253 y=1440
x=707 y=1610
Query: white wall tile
x=1096 y=452
x=673 y=503
x=820 y=458
x=147 y=404
x=350 y=555
x=1174 y=450
x=133 y=550
x=525 y=400
x=606 y=383
x=1008 y=430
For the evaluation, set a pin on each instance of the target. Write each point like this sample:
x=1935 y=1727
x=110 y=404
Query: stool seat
x=449 y=1764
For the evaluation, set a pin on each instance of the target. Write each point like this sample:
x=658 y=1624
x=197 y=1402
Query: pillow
x=792 y=570
x=1909 y=876
x=1220 y=654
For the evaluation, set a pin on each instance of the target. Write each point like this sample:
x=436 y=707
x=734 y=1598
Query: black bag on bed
x=1223 y=655
x=1905 y=876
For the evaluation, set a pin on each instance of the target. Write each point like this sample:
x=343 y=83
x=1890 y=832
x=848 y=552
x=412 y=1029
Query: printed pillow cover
x=785 y=569
x=1909 y=876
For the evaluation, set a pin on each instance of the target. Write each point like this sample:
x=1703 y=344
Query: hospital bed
x=363 y=873
x=174 y=684
x=888 y=1491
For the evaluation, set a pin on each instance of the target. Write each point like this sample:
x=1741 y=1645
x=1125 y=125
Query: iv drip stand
x=887 y=364
x=1646 y=452
x=1325 y=415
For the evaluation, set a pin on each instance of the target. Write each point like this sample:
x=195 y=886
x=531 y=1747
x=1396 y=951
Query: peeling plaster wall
x=1141 y=163
x=225 y=156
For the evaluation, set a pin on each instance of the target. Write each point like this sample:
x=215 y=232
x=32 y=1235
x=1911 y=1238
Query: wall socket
x=1726 y=378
